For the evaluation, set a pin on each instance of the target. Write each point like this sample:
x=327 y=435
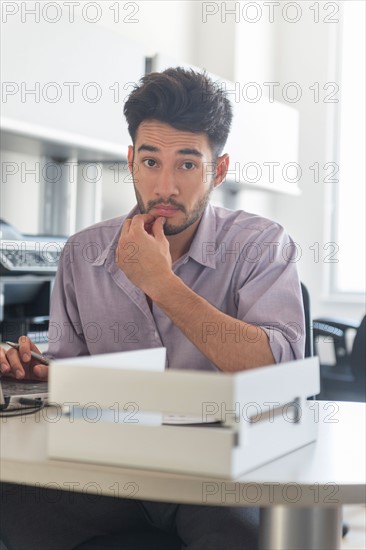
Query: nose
x=165 y=184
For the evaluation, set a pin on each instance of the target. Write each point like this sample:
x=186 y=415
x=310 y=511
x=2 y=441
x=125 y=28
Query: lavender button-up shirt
x=243 y=264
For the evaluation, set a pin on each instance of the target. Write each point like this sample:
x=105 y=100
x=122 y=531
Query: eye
x=150 y=163
x=188 y=165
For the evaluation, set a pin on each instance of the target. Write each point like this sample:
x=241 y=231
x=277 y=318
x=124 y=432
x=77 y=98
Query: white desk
x=301 y=494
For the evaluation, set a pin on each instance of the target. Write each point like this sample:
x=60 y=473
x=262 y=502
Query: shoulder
x=94 y=241
x=100 y=230
x=236 y=222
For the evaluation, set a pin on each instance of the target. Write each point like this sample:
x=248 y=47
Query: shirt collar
x=203 y=245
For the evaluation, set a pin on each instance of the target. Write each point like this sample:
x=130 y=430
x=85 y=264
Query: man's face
x=173 y=174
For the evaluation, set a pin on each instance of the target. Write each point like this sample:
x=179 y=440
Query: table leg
x=290 y=528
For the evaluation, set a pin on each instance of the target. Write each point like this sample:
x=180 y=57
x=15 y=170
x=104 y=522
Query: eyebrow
x=185 y=151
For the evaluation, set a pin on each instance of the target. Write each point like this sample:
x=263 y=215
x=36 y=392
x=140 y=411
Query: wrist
x=164 y=289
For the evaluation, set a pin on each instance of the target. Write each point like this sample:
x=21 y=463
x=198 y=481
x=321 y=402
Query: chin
x=170 y=229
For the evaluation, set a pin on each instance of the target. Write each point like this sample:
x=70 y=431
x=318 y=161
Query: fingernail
x=26 y=357
x=18 y=374
x=4 y=368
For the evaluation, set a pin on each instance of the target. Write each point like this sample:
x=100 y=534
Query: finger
x=25 y=346
x=4 y=365
x=158 y=228
x=148 y=228
x=40 y=371
x=125 y=227
x=16 y=367
x=141 y=219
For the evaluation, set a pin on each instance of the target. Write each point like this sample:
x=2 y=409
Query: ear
x=222 y=166
x=130 y=158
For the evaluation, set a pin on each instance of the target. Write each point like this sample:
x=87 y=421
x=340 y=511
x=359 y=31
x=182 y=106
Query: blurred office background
x=296 y=74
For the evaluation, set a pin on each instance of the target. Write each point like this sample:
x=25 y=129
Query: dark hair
x=187 y=100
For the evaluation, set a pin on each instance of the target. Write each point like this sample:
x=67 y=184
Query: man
x=219 y=289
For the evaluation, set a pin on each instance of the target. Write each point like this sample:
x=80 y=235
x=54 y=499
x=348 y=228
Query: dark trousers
x=32 y=518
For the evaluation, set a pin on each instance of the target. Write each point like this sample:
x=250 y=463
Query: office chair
x=344 y=380
x=308 y=328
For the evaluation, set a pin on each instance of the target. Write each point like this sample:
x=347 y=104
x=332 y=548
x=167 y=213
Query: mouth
x=165 y=211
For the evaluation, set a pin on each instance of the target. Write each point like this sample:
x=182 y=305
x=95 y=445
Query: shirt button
x=156 y=334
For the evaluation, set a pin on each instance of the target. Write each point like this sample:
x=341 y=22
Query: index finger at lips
x=142 y=219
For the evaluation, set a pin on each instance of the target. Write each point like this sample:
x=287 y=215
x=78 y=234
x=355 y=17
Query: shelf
x=31 y=139
x=65 y=88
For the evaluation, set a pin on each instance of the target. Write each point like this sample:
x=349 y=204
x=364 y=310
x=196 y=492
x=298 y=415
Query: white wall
x=160 y=26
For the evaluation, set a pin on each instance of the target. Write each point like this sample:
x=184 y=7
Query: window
x=347 y=276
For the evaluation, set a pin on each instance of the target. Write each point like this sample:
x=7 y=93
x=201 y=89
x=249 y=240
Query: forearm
x=231 y=344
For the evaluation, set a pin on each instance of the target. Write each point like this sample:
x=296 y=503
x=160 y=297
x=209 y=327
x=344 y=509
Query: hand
x=20 y=364
x=143 y=252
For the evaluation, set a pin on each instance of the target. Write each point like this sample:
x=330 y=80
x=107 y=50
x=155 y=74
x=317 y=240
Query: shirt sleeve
x=269 y=293
x=65 y=334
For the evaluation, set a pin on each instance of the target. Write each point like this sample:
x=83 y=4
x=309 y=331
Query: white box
x=263 y=414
